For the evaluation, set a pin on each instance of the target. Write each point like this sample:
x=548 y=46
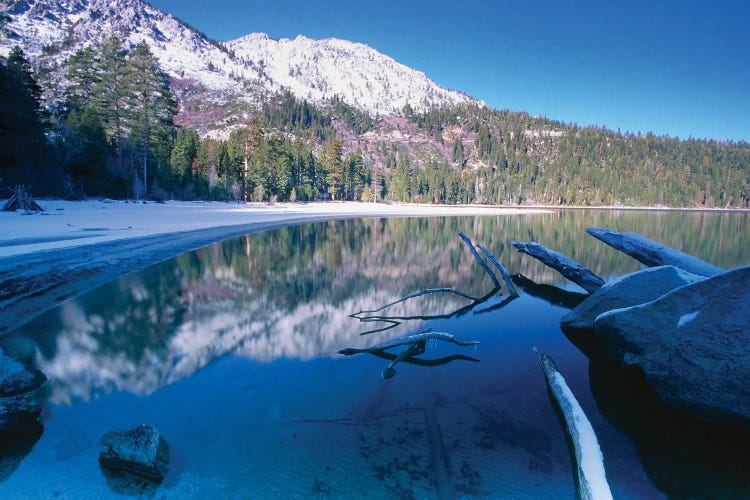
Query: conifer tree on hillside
x=334 y=165
x=22 y=121
x=149 y=108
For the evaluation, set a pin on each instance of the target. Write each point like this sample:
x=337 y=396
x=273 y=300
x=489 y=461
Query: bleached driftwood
x=503 y=272
x=369 y=316
x=414 y=349
x=590 y=474
x=426 y=291
x=411 y=339
x=566 y=266
x=652 y=253
x=480 y=260
x=20 y=198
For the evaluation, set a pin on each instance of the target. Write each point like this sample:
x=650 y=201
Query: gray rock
x=630 y=290
x=16 y=378
x=140 y=451
x=18 y=392
x=692 y=344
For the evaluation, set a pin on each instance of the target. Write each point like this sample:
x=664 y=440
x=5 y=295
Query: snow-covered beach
x=74 y=246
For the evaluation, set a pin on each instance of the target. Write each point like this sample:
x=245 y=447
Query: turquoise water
x=231 y=351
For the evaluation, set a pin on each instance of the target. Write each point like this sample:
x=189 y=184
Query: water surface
x=231 y=352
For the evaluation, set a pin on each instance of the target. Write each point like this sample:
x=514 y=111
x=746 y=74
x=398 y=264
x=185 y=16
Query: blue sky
x=675 y=68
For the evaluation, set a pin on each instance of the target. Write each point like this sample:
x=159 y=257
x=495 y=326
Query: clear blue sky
x=676 y=68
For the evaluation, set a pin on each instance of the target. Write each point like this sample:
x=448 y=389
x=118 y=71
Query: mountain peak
x=240 y=70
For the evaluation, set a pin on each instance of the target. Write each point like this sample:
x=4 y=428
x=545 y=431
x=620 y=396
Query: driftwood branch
x=503 y=272
x=393 y=321
x=480 y=260
x=20 y=198
x=419 y=337
x=590 y=474
x=566 y=266
x=414 y=349
x=413 y=295
x=652 y=253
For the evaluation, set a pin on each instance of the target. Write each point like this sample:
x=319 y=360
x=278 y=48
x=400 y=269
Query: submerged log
x=411 y=339
x=652 y=253
x=566 y=266
x=414 y=349
x=590 y=475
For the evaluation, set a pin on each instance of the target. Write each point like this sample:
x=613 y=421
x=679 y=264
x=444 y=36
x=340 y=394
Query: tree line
x=113 y=134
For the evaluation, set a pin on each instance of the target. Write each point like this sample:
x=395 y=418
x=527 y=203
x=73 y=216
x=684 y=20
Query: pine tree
x=334 y=166
x=22 y=124
x=150 y=108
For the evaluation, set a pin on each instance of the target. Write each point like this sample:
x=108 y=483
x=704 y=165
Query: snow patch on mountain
x=243 y=70
x=320 y=69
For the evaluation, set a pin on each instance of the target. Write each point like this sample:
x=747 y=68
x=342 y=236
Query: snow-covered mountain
x=360 y=75
x=206 y=73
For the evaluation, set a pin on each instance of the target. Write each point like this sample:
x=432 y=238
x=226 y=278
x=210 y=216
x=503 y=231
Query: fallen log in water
x=590 y=475
x=652 y=253
x=414 y=349
x=503 y=272
x=566 y=266
x=411 y=339
x=480 y=261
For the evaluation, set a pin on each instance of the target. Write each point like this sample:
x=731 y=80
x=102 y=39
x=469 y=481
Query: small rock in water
x=18 y=399
x=630 y=290
x=691 y=344
x=140 y=451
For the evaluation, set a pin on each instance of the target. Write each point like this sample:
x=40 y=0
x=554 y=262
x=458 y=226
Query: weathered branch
x=503 y=272
x=20 y=198
x=566 y=266
x=414 y=349
x=417 y=294
x=419 y=337
x=652 y=253
x=480 y=260
x=590 y=474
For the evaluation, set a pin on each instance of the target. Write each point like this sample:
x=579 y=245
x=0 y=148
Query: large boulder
x=629 y=290
x=140 y=451
x=692 y=344
x=18 y=392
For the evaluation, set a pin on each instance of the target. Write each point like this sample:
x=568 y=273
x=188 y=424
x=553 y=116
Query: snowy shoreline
x=66 y=224
x=73 y=247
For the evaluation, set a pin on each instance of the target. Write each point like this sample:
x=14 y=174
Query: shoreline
x=37 y=276
x=76 y=246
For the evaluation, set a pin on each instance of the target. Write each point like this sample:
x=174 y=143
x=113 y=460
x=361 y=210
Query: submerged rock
x=18 y=392
x=630 y=290
x=692 y=345
x=140 y=451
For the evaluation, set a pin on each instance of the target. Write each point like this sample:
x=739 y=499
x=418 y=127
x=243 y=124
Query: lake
x=231 y=352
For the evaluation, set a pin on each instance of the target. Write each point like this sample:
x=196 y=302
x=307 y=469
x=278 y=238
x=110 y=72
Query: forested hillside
x=116 y=133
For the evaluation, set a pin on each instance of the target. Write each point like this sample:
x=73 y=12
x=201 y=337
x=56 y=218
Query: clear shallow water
x=231 y=352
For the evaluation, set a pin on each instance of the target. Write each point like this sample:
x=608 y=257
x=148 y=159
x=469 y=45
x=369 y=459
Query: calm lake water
x=231 y=351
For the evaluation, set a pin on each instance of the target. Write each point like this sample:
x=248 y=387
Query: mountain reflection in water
x=290 y=293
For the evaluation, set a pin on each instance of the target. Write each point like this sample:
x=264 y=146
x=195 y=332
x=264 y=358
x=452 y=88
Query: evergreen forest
x=115 y=134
